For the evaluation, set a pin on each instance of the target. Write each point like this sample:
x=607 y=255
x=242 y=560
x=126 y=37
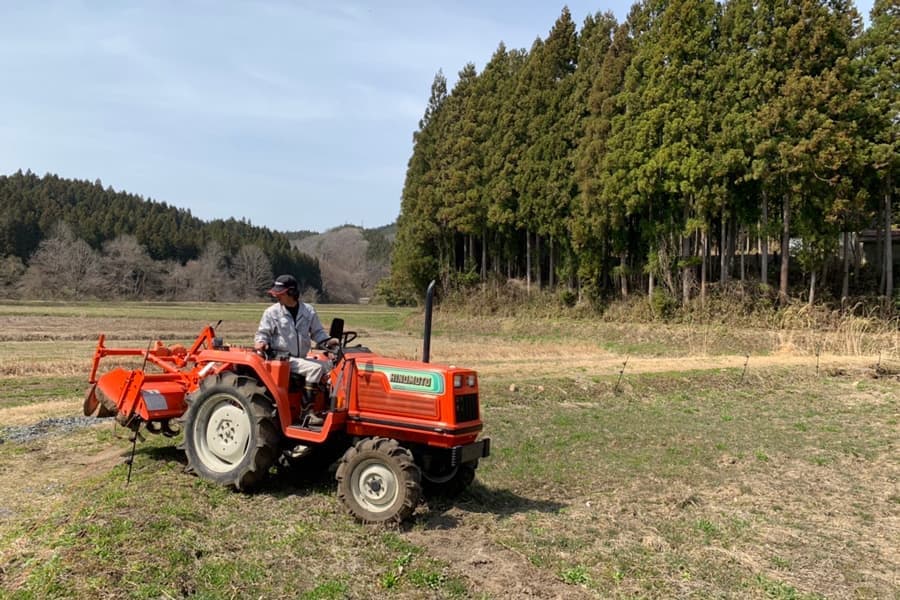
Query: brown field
x=630 y=460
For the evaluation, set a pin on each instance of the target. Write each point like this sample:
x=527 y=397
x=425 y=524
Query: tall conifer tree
x=414 y=260
x=879 y=68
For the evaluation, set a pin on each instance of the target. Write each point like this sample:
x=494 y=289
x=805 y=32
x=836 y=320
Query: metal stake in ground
x=746 y=362
x=621 y=373
x=130 y=423
x=134 y=439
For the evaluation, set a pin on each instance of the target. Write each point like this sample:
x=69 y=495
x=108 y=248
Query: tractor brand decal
x=410 y=381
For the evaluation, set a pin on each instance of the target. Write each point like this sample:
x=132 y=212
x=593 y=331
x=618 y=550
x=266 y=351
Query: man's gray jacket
x=283 y=333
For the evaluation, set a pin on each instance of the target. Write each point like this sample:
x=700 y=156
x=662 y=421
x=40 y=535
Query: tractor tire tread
x=261 y=413
x=408 y=472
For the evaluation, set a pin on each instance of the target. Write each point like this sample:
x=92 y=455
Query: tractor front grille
x=466 y=407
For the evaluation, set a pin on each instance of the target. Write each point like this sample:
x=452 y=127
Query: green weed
x=781 y=563
x=778 y=590
x=427 y=578
x=330 y=590
x=390 y=580
x=577 y=575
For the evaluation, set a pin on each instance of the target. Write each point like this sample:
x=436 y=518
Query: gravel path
x=52 y=425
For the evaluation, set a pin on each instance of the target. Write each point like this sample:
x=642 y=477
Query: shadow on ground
x=162 y=453
x=445 y=513
x=315 y=474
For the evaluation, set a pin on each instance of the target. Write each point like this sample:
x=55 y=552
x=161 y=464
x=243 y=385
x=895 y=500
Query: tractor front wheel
x=378 y=481
x=230 y=434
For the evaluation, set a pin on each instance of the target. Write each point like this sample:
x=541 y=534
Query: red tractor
x=402 y=425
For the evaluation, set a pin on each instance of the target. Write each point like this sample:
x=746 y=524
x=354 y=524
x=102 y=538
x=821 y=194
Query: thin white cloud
x=206 y=104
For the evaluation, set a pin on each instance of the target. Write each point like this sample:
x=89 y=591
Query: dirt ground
x=43 y=473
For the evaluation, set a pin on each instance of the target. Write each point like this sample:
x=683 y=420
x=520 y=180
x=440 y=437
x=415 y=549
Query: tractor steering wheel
x=337 y=351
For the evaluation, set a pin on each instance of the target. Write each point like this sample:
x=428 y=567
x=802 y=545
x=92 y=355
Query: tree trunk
x=484 y=255
x=730 y=248
x=604 y=262
x=812 y=287
x=467 y=252
x=785 y=248
x=528 y=260
x=550 y=274
x=624 y=269
x=650 y=286
x=442 y=260
x=845 y=284
x=686 y=273
x=456 y=249
x=723 y=250
x=888 y=243
x=764 y=240
x=745 y=241
x=538 y=262
x=704 y=257
x=879 y=256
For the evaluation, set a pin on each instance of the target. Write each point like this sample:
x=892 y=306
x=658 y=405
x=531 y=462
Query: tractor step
x=303 y=422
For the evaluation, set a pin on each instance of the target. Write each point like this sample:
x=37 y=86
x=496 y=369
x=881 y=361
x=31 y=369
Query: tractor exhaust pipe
x=426 y=342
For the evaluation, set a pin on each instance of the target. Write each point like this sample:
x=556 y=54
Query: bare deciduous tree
x=208 y=278
x=175 y=280
x=65 y=264
x=251 y=272
x=128 y=269
x=11 y=269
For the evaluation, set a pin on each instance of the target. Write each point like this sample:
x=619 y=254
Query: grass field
x=629 y=461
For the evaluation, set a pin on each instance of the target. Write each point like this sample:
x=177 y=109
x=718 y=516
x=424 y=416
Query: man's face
x=286 y=299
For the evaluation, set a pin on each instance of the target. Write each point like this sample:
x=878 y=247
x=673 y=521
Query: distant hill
x=352 y=260
x=32 y=207
x=341 y=265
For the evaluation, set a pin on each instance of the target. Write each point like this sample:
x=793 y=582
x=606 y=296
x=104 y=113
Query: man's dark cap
x=283 y=283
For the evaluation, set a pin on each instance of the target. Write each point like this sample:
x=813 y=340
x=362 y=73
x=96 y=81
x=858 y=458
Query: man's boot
x=310 y=418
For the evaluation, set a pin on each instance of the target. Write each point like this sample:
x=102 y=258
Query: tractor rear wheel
x=378 y=481
x=230 y=433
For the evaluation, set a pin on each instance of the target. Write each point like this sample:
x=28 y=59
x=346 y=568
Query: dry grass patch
x=686 y=476
x=32 y=413
x=696 y=486
x=692 y=338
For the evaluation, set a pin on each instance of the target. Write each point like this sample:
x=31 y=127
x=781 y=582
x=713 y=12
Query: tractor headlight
x=470 y=381
x=457 y=381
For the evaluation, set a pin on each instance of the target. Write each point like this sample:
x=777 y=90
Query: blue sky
x=292 y=114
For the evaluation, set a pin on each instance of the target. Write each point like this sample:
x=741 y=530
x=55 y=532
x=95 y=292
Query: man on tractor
x=289 y=327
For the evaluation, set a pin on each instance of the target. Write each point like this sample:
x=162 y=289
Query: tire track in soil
x=43 y=476
x=487 y=567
